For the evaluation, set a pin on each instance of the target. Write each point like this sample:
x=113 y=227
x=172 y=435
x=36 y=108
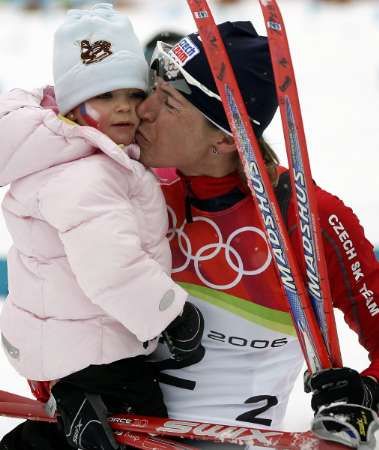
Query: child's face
x=113 y=113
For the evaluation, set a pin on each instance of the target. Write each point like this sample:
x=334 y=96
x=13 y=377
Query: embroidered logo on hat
x=96 y=52
x=184 y=51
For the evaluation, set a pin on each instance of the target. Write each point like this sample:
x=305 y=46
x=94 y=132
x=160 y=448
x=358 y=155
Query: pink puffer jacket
x=89 y=269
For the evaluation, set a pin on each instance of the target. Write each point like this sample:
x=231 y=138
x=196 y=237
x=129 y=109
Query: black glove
x=84 y=418
x=183 y=335
x=341 y=385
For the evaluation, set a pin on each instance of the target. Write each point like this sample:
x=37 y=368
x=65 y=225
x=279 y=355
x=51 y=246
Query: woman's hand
x=183 y=335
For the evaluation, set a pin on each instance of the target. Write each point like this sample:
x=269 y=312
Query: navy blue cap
x=251 y=61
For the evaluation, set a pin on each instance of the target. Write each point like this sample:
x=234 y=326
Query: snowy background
x=336 y=58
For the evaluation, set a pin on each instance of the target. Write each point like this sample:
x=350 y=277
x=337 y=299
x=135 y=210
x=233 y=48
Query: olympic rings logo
x=211 y=250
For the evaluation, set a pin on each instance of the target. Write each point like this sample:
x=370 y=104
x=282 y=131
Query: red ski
x=301 y=178
x=17 y=406
x=136 y=430
x=293 y=288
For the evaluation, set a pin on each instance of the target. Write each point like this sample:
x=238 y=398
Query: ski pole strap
x=347 y=424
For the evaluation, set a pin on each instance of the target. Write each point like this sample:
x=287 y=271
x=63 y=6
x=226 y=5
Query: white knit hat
x=96 y=51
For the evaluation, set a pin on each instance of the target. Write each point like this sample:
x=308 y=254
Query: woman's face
x=113 y=113
x=172 y=132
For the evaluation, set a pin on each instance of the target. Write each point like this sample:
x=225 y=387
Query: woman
x=220 y=254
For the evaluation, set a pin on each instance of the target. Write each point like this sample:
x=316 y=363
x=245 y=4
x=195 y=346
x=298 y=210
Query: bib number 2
x=251 y=416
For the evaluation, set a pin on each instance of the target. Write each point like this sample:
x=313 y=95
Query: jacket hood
x=33 y=137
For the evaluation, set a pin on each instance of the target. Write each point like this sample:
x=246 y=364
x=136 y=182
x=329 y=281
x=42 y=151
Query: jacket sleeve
x=28 y=132
x=20 y=119
x=353 y=273
x=92 y=204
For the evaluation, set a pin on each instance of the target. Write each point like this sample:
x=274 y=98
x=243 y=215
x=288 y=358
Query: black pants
x=126 y=385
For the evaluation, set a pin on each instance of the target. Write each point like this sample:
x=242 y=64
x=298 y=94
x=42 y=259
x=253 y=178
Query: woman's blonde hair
x=271 y=160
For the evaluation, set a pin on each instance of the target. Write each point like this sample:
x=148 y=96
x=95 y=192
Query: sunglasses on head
x=163 y=65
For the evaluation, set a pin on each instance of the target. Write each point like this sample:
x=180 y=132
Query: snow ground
x=336 y=59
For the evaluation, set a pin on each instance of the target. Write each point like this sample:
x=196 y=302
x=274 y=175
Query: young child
x=89 y=272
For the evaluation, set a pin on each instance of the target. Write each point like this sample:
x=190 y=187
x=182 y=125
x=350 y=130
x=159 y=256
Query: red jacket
x=352 y=266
